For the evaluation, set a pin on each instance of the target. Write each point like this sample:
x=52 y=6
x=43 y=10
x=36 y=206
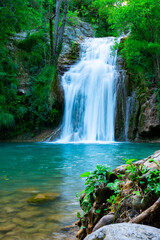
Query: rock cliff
x=137 y=115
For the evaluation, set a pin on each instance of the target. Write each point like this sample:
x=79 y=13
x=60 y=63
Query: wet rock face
x=144 y=123
x=125 y=231
x=75 y=33
x=149 y=124
x=137 y=116
x=121 y=99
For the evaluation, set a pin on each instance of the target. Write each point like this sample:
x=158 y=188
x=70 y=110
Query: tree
x=142 y=48
x=58 y=31
x=17 y=16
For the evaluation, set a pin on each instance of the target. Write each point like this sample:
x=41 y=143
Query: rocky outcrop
x=144 y=123
x=23 y=76
x=121 y=96
x=74 y=33
x=134 y=200
x=149 y=123
x=137 y=116
x=125 y=231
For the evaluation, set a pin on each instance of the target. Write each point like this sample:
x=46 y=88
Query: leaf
x=98 y=211
x=85 y=174
x=83 y=227
x=89 y=190
x=137 y=193
x=82 y=192
x=78 y=215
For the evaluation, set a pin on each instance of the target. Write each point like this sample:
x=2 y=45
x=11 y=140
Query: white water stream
x=90 y=94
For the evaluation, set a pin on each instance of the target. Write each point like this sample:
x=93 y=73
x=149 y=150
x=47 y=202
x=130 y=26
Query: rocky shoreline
x=132 y=200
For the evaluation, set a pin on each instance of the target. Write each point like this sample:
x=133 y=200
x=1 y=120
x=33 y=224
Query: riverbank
x=129 y=193
x=36 y=136
x=51 y=135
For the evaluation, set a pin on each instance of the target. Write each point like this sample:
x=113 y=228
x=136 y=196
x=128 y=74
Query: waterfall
x=90 y=93
x=129 y=112
x=128 y=104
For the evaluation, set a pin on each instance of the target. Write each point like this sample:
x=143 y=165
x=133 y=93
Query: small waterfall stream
x=90 y=93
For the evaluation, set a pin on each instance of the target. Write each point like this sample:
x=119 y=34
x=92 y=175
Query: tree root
x=147 y=213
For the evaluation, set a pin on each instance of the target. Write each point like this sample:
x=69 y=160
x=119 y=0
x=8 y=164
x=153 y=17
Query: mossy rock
x=43 y=197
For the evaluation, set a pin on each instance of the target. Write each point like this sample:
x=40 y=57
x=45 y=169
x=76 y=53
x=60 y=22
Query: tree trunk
x=63 y=23
x=58 y=5
x=51 y=37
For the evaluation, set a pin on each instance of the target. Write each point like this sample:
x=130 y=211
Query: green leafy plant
x=152 y=183
x=94 y=180
x=135 y=171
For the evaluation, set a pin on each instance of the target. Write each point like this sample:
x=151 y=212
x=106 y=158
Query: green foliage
x=28 y=59
x=101 y=177
x=16 y=17
x=152 y=184
x=95 y=12
x=94 y=180
x=135 y=172
x=34 y=51
x=6 y=119
x=40 y=112
x=141 y=49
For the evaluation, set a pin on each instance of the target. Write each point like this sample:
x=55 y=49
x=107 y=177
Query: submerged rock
x=125 y=231
x=22 y=223
x=43 y=197
x=7 y=228
x=29 y=214
x=66 y=233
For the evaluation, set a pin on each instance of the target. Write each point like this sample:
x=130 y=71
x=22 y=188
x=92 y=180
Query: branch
x=51 y=17
x=146 y=213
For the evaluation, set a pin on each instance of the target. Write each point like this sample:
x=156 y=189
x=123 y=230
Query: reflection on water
x=26 y=169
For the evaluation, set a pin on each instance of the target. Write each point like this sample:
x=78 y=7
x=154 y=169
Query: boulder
x=125 y=231
x=149 y=163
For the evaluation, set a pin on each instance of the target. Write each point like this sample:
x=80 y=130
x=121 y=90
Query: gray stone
x=125 y=231
x=22 y=35
x=105 y=220
x=75 y=33
x=147 y=162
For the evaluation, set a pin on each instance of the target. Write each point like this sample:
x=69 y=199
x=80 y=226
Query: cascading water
x=90 y=93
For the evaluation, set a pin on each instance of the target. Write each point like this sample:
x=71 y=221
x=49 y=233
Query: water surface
x=45 y=167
